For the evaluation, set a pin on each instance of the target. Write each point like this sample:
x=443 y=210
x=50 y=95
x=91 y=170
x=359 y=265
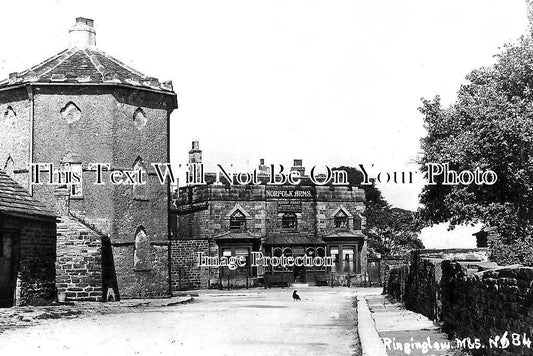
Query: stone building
x=27 y=247
x=287 y=220
x=83 y=106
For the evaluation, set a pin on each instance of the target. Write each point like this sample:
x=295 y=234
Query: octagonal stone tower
x=82 y=106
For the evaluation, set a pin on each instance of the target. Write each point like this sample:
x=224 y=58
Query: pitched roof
x=15 y=200
x=292 y=239
x=85 y=65
x=344 y=234
x=237 y=235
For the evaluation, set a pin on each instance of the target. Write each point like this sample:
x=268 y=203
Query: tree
x=490 y=126
x=390 y=231
x=395 y=233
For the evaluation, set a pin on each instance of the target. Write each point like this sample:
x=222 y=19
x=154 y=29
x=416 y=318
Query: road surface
x=241 y=322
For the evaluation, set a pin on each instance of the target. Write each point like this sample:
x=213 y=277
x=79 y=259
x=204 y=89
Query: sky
x=330 y=82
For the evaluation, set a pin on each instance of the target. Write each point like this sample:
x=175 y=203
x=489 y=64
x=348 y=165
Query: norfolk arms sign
x=289 y=198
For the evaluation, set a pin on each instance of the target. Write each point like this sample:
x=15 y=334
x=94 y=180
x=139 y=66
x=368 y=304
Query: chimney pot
x=83 y=34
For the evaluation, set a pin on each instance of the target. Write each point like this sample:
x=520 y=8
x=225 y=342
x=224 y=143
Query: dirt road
x=243 y=322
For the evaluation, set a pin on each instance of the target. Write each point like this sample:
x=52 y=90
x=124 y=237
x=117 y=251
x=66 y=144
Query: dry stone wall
x=487 y=308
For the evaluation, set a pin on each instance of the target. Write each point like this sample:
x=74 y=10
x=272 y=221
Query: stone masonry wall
x=186 y=274
x=422 y=286
x=396 y=282
x=15 y=128
x=491 y=305
x=488 y=304
x=386 y=264
x=78 y=266
x=37 y=252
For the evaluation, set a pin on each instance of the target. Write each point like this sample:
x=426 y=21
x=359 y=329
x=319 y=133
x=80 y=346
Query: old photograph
x=248 y=177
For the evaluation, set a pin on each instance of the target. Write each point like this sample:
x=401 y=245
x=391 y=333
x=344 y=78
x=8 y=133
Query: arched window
x=287 y=252
x=9 y=167
x=71 y=112
x=139 y=118
x=237 y=221
x=341 y=220
x=9 y=113
x=141 y=251
x=278 y=252
x=140 y=189
x=289 y=221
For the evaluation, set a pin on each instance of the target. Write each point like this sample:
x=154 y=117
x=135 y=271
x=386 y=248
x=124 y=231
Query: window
x=9 y=167
x=141 y=251
x=9 y=113
x=357 y=222
x=71 y=113
x=236 y=252
x=139 y=190
x=334 y=253
x=76 y=189
x=226 y=252
x=289 y=221
x=236 y=218
x=341 y=220
x=348 y=261
x=243 y=251
x=139 y=118
x=237 y=221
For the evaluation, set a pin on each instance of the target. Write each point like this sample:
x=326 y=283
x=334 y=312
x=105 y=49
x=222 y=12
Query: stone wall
x=422 y=286
x=15 y=128
x=79 y=264
x=396 y=282
x=492 y=305
x=36 y=244
x=185 y=272
x=36 y=268
x=386 y=264
x=416 y=284
x=488 y=304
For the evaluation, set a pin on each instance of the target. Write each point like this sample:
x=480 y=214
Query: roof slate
x=292 y=239
x=16 y=200
x=345 y=234
x=237 y=235
x=85 y=65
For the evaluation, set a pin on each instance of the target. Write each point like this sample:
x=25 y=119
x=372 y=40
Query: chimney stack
x=298 y=166
x=196 y=174
x=263 y=170
x=195 y=154
x=82 y=34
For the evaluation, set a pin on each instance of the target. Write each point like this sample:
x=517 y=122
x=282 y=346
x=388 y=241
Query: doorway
x=299 y=274
x=8 y=268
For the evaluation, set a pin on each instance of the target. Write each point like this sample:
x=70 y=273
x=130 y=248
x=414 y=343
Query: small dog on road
x=295 y=296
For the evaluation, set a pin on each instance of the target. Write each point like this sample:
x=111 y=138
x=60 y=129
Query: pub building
x=276 y=220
